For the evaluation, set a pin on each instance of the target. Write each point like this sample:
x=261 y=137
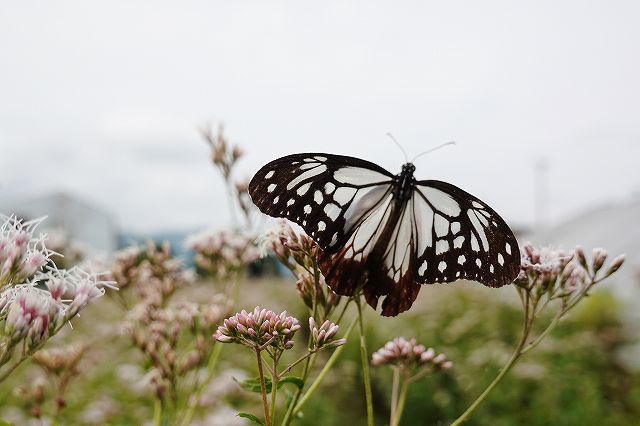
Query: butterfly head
x=408 y=168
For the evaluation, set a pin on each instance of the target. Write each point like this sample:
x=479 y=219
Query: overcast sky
x=104 y=100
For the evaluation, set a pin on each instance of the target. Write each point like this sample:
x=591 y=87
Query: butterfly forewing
x=460 y=237
x=328 y=195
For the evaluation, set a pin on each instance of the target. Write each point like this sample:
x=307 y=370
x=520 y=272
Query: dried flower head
x=58 y=360
x=259 y=328
x=406 y=353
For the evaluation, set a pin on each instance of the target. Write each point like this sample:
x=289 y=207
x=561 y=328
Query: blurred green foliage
x=574 y=377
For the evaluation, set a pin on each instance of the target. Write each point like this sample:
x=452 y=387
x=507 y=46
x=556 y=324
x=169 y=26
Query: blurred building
x=91 y=226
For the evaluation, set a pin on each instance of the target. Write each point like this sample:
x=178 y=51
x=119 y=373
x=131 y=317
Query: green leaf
x=292 y=379
x=5 y=423
x=251 y=417
x=253 y=384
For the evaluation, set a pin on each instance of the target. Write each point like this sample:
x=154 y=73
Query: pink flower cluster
x=563 y=274
x=287 y=244
x=222 y=253
x=35 y=313
x=407 y=353
x=259 y=328
x=21 y=253
x=323 y=336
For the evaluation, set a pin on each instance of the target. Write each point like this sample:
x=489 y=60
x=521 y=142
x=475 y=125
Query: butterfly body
x=386 y=234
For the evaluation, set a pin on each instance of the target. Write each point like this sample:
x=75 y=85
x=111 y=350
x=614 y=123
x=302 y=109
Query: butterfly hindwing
x=326 y=194
x=461 y=237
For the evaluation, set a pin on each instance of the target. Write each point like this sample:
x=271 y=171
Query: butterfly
x=386 y=234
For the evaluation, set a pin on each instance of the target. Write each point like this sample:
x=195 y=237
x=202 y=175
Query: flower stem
x=213 y=360
x=514 y=357
x=332 y=360
x=542 y=335
x=394 y=395
x=401 y=400
x=157 y=413
x=263 y=388
x=364 y=357
x=10 y=370
x=274 y=389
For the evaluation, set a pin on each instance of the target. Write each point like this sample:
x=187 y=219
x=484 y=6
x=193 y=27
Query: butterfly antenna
x=406 y=157
x=432 y=149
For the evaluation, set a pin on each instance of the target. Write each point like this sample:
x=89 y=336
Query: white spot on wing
x=332 y=211
x=304 y=188
x=500 y=259
x=491 y=268
x=507 y=247
x=329 y=187
x=358 y=176
x=317 y=197
x=290 y=202
x=271 y=187
x=306 y=175
x=424 y=223
x=320 y=158
x=482 y=219
x=455 y=227
x=442 y=265
x=462 y=259
x=269 y=175
x=442 y=246
x=477 y=205
x=479 y=262
x=479 y=229
x=441 y=201
x=307 y=209
x=457 y=242
x=442 y=226
x=422 y=268
x=322 y=226
x=306 y=166
x=275 y=200
x=344 y=194
x=474 y=243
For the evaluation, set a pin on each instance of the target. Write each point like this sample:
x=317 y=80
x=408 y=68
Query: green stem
x=542 y=335
x=332 y=360
x=394 y=395
x=401 y=401
x=514 y=357
x=263 y=388
x=10 y=370
x=157 y=412
x=274 y=389
x=364 y=358
x=213 y=360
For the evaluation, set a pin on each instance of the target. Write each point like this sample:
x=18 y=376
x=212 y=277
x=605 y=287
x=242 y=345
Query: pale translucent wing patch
x=328 y=195
x=460 y=237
